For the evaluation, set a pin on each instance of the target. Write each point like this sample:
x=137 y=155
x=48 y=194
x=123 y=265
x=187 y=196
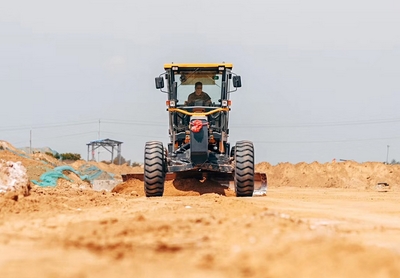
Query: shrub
x=70 y=156
x=394 y=162
x=136 y=164
x=56 y=156
x=116 y=160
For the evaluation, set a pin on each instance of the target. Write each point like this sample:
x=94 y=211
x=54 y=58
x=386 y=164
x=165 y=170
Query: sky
x=320 y=79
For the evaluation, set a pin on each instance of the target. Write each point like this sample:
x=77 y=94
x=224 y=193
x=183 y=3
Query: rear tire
x=244 y=168
x=154 y=169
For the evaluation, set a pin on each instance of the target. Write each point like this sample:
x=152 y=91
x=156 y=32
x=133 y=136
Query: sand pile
x=46 y=159
x=7 y=146
x=347 y=174
x=117 y=170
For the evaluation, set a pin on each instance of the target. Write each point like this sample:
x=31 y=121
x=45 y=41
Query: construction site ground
x=317 y=220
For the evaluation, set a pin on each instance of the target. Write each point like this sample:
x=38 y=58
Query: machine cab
x=198 y=91
x=212 y=79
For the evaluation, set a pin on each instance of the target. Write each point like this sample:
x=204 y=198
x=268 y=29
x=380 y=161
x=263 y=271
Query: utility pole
x=387 y=155
x=98 y=152
x=30 y=141
x=99 y=129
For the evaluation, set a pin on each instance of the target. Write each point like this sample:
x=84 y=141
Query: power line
x=58 y=136
x=134 y=135
x=43 y=126
x=125 y=122
x=321 y=124
x=70 y=135
x=160 y=124
x=326 y=141
x=54 y=137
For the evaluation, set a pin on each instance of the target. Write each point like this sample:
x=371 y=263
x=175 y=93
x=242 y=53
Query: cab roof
x=199 y=65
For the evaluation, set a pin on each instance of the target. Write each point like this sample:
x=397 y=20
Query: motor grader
x=198 y=132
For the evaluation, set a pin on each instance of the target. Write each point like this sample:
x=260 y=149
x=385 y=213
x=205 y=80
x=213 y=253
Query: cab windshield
x=211 y=83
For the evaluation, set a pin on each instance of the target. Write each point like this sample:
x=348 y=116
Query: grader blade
x=140 y=176
x=225 y=179
x=260 y=184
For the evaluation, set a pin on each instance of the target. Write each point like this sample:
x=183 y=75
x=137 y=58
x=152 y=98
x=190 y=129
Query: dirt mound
x=75 y=181
x=8 y=155
x=180 y=187
x=35 y=166
x=7 y=146
x=39 y=163
x=46 y=159
x=347 y=174
x=117 y=170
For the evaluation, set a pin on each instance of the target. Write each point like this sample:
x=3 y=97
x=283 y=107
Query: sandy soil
x=317 y=220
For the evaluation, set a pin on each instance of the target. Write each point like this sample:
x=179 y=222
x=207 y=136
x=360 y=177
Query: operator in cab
x=198 y=97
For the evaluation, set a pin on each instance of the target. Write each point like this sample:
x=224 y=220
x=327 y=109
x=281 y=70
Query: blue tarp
x=86 y=172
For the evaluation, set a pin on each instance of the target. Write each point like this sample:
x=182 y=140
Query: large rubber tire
x=244 y=169
x=154 y=169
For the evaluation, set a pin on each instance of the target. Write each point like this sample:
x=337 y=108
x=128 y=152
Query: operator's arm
x=190 y=99
x=207 y=99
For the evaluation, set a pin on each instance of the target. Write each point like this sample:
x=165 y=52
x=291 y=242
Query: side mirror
x=237 y=82
x=159 y=82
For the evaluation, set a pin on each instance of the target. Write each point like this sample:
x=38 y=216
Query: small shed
x=108 y=144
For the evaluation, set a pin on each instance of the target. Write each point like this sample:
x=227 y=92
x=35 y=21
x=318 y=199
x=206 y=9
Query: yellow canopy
x=199 y=65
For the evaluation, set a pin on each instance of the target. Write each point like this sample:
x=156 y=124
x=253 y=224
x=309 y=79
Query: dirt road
x=291 y=232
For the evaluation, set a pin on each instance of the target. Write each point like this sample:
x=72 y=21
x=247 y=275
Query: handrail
x=220 y=109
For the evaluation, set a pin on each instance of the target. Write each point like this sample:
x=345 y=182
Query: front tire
x=154 y=169
x=244 y=168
